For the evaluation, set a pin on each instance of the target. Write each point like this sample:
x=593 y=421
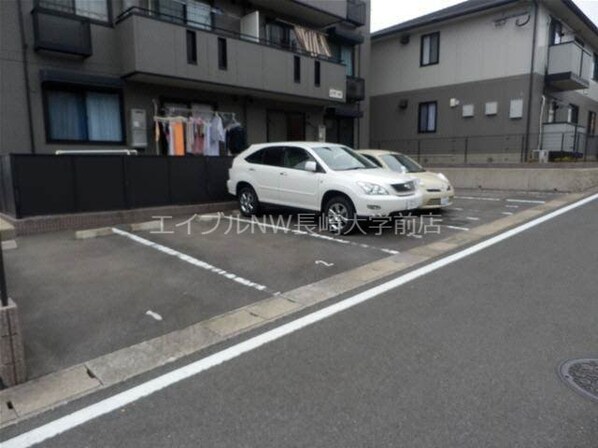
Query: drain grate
x=581 y=375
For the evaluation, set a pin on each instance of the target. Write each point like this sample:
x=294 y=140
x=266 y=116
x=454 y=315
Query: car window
x=273 y=156
x=401 y=162
x=372 y=159
x=256 y=157
x=342 y=158
x=296 y=158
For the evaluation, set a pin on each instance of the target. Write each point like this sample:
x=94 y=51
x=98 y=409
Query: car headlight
x=443 y=177
x=373 y=189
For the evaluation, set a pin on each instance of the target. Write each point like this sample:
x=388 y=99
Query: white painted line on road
x=457 y=228
x=308 y=233
x=507 y=213
x=511 y=206
x=110 y=404
x=191 y=260
x=325 y=263
x=478 y=198
x=458 y=209
x=472 y=218
x=526 y=201
x=153 y=314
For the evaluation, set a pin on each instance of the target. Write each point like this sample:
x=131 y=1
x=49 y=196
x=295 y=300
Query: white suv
x=324 y=177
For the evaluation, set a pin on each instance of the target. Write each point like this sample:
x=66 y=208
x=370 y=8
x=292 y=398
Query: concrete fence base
x=526 y=179
x=12 y=352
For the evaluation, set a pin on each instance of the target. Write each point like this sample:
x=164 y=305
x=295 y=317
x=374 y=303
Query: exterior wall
x=121 y=49
x=471 y=50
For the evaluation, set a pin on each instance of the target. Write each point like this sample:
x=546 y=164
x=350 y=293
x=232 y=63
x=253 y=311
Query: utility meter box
x=138 y=128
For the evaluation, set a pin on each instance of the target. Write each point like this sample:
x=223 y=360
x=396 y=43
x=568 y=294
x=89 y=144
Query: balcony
x=154 y=49
x=58 y=32
x=355 y=89
x=356 y=12
x=569 y=67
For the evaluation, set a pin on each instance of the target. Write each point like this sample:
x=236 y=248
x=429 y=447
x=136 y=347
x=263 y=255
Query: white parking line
x=511 y=206
x=458 y=209
x=457 y=228
x=472 y=218
x=507 y=213
x=191 y=260
x=312 y=234
x=478 y=198
x=121 y=399
x=526 y=201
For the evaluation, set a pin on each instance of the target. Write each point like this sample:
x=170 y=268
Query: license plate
x=445 y=201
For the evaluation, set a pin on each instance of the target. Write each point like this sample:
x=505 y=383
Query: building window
x=556 y=32
x=191 y=47
x=297 y=68
x=92 y=9
x=281 y=35
x=591 y=123
x=83 y=116
x=222 y=54
x=573 y=114
x=317 y=73
x=428 y=115
x=595 y=69
x=192 y=12
x=430 y=46
x=346 y=55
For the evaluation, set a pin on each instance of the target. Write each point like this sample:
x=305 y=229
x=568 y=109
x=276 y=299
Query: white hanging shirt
x=216 y=135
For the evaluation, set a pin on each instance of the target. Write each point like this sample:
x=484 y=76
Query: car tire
x=339 y=215
x=249 y=204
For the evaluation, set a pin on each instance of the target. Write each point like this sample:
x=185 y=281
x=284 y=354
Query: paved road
x=463 y=357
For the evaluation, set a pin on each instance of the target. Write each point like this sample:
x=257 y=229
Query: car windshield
x=402 y=163
x=342 y=158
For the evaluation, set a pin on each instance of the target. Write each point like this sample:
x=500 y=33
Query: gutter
x=531 y=85
x=26 y=73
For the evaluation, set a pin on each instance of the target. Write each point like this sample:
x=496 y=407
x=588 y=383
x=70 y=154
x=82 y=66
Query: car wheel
x=248 y=201
x=339 y=214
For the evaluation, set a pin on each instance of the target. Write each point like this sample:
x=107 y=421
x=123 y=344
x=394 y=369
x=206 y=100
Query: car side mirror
x=311 y=166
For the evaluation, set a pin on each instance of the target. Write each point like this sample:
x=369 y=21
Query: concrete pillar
x=12 y=351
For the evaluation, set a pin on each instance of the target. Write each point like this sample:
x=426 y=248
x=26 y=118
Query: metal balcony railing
x=569 y=66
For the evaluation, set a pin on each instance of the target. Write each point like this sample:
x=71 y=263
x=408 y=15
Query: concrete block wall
x=12 y=352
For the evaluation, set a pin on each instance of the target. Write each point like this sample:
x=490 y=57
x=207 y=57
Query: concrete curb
x=116 y=367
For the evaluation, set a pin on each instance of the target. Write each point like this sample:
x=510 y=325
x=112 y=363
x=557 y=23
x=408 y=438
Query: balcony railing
x=355 y=89
x=181 y=20
x=59 y=32
x=569 y=66
x=356 y=12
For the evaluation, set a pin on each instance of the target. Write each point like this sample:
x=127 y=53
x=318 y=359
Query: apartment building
x=487 y=81
x=92 y=74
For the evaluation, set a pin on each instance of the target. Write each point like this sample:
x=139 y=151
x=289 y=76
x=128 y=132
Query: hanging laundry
x=236 y=139
x=189 y=137
x=216 y=136
x=178 y=139
x=198 y=132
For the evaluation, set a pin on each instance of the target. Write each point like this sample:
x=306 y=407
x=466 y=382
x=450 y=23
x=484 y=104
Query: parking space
x=80 y=299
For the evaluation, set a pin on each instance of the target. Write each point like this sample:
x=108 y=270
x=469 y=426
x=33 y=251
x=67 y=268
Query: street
x=465 y=356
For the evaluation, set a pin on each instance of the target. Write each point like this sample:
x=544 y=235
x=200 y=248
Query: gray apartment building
x=92 y=74
x=487 y=81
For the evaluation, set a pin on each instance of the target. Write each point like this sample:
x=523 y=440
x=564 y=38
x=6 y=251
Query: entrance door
x=285 y=126
x=295 y=126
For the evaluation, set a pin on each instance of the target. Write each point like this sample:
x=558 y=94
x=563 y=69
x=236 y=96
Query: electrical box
x=138 y=128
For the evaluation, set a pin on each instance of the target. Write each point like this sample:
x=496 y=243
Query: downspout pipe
x=24 y=49
x=531 y=84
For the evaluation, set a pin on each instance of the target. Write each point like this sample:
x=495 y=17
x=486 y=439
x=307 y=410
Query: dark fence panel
x=188 y=180
x=217 y=169
x=44 y=184
x=100 y=183
x=50 y=184
x=147 y=181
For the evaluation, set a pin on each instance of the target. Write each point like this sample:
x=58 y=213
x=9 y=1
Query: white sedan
x=324 y=177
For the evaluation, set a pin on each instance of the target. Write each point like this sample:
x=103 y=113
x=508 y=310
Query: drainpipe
x=531 y=81
x=26 y=73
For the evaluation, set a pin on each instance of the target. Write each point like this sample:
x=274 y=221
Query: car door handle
x=251 y=169
x=283 y=174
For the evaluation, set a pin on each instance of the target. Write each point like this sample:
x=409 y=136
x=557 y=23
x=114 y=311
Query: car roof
x=294 y=143
x=377 y=152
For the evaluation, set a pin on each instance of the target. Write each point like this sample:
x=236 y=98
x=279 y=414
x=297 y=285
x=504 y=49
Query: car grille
x=405 y=188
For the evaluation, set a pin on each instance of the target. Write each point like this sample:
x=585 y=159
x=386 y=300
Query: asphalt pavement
x=466 y=356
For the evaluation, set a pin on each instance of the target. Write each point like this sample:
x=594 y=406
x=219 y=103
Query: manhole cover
x=581 y=375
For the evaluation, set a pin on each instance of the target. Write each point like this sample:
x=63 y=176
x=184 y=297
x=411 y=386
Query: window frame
x=591 y=130
x=427 y=104
x=573 y=114
x=191 y=41
x=317 y=73
x=284 y=157
x=297 y=69
x=281 y=149
x=39 y=4
x=554 y=23
x=222 y=53
x=82 y=90
x=436 y=35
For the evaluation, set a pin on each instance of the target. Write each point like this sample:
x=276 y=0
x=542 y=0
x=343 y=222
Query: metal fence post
x=522 y=151
x=466 y=149
x=562 y=142
x=419 y=150
x=3 y=290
